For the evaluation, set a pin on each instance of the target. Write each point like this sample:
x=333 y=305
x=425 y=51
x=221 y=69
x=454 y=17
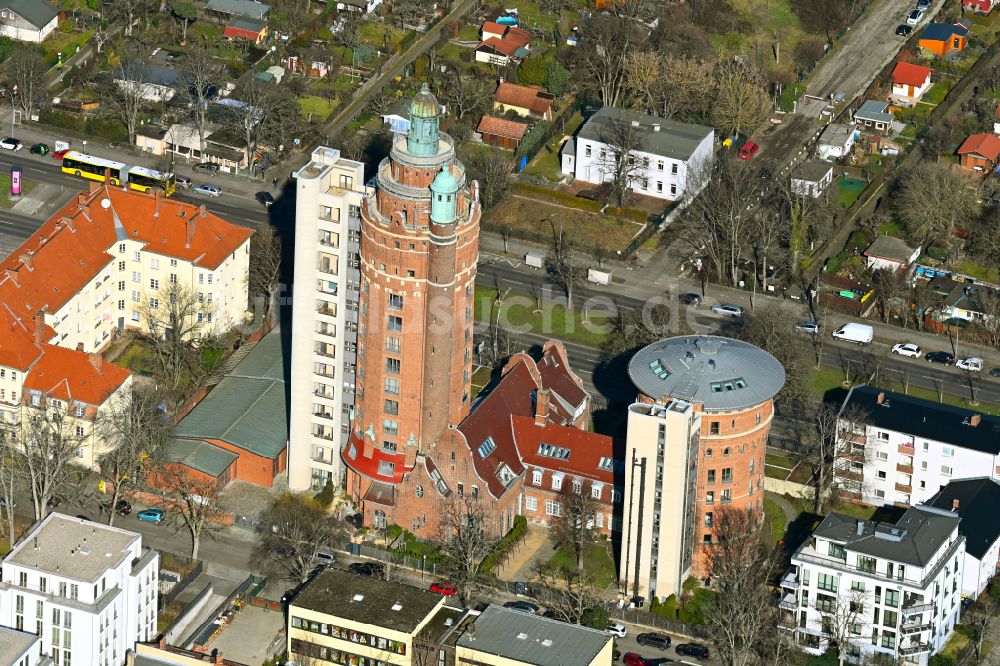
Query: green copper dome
x=444 y=182
x=424 y=104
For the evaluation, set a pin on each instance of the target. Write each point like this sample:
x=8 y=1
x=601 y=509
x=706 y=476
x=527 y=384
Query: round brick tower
x=418 y=250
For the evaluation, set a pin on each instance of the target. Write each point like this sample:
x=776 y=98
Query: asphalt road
x=655 y=655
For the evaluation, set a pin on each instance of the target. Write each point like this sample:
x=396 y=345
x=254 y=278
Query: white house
x=890 y=590
x=975 y=501
x=672 y=157
x=836 y=141
x=158 y=84
x=963 y=302
x=811 y=178
x=89 y=590
x=897 y=449
x=909 y=83
x=21 y=648
x=361 y=6
x=28 y=20
x=891 y=253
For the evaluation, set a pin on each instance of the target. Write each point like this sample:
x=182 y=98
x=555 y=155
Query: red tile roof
x=353 y=455
x=906 y=73
x=569 y=399
x=17 y=340
x=985 y=145
x=501 y=127
x=535 y=100
x=70 y=375
x=512 y=40
x=493 y=28
x=586 y=449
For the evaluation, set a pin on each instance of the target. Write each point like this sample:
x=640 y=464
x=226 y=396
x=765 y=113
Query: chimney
x=202 y=210
x=26 y=260
x=954 y=504
x=162 y=644
x=541 y=407
x=217 y=657
x=975 y=420
x=97 y=361
x=880 y=399
x=656 y=127
x=79 y=346
x=39 y=327
x=156 y=202
x=129 y=658
x=81 y=200
x=190 y=231
x=501 y=79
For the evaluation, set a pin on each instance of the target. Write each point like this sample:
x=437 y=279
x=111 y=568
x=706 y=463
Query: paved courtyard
x=247 y=638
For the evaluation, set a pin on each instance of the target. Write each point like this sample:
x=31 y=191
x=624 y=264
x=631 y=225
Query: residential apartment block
x=897 y=449
x=672 y=158
x=341 y=618
x=975 y=501
x=93 y=270
x=887 y=589
x=717 y=400
x=88 y=590
x=21 y=648
x=329 y=190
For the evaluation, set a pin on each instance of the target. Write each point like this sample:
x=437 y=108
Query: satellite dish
x=105 y=203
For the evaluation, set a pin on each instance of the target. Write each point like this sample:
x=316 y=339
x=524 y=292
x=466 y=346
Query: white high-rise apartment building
x=892 y=589
x=324 y=316
x=88 y=590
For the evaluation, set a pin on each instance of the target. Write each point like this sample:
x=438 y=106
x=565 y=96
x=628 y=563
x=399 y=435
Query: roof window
x=553 y=451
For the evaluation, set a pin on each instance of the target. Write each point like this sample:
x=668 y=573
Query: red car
x=748 y=150
x=59 y=154
x=444 y=588
x=633 y=659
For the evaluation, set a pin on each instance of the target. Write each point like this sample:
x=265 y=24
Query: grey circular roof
x=721 y=374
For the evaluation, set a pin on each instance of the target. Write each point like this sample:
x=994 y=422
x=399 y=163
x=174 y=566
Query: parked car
x=808 y=326
x=122 y=507
x=907 y=349
x=970 y=364
x=904 y=30
x=208 y=190
x=183 y=181
x=691 y=299
x=915 y=17
x=748 y=150
x=924 y=4
x=59 y=154
x=40 y=149
x=10 y=143
x=324 y=558
x=945 y=358
x=264 y=198
x=522 y=606
x=653 y=640
x=635 y=659
x=727 y=309
x=444 y=588
x=696 y=650
x=995 y=372
x=151 y=516
x=370 y=569
x=617 y=629
x=206 y=167
x=860 y=334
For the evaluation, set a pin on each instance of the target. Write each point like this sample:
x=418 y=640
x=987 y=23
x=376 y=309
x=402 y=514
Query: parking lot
x=655 y=655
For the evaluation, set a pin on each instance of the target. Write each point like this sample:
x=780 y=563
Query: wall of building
x=296 y=634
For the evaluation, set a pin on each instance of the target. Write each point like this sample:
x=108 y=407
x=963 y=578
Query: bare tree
x=633 y=329
x=843 y=617
x=601 y=60
x=772 y=328
x=574 y=526
x=742 y=620
x=494 y=169
x=988 y=301
x=466 y=539
x=741 y=101
x=171 y=318
x=24 y=70
x=200 y=74
x=977 y=619
x=564 y=263
x=621 y=168
x=294 y=530
x=498 y=344
x=45 y=450
x=669 y=86
x=196 y=503
x=268 y=115
x=887 y=288
x=10 y=473
x=127 y=92
x=134 y=428
x=265 y=265
x=567 y=593
x=932 y=199
x=464 y=93
x=130 y=11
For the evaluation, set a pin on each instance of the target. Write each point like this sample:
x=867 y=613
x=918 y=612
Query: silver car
x=209 y=190
x=728 y=310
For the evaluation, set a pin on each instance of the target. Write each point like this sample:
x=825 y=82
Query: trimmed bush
x=325 y=496
x=509 y=540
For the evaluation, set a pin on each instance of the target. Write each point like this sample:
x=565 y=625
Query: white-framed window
x=552 y=508
x=531 y=503
x=948 y=451
x=880 y=494
x=154 y=264
x=154 y=283
x=536 y=477
x=882 y=455
x=577 y=486
x=946 y=470
x=595 y=491
x=557 y=482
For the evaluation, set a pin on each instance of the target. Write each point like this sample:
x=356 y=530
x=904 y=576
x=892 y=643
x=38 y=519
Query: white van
x=862 y=334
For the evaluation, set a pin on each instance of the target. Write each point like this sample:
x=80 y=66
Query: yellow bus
x=138 y=178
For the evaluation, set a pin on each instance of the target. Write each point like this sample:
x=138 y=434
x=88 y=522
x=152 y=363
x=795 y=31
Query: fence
x=203 y=634
x=638 y=616
x=182 y=583
x=173 y=632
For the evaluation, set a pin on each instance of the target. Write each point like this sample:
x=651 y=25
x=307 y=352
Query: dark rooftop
x=368 y=600
x=914 y=539
x=928 y=420
x=978 y=500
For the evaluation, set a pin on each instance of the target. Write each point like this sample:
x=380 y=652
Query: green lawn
x=597 y=563
x=938 y=91
x=469 y=33
x=893 y=228
x=848 y=191
x=531 y=14
x=779 y=460
x=27 y=184
x=480 y=379
x=66 y=43
x=546 y=164
x=978 y=271
x=517 y=313
x=319 y=107
x=136 y=357
x=775 y=521
x=380 y=34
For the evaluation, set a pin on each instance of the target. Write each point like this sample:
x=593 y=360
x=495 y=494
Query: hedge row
x=509 y=540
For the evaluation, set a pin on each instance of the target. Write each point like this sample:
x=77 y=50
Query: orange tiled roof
x=512 y=40
x=906 y=73
x=524 y=97
x=502 y=127
x=493 y=28
x=986 y=145
x=70 y=375
x=17 y=340
x=586 y=448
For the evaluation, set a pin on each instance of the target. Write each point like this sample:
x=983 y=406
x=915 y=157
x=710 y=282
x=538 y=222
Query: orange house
x=980 y=152
x=944 y=38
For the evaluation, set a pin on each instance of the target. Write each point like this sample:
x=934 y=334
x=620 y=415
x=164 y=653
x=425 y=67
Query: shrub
x=941 y=659
x=532 y=71
x=392 y=532
x=668 y=608
x=325 y=496
x=595 y=617
x=994 y=590
x=517 y=532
